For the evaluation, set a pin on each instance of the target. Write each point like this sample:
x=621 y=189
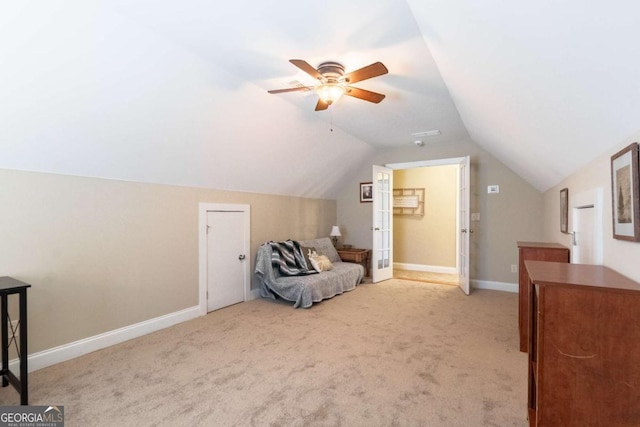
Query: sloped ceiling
x=175 y=92
x=545 y=86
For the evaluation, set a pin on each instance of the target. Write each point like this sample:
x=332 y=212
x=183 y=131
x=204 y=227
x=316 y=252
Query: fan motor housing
x=331 y=70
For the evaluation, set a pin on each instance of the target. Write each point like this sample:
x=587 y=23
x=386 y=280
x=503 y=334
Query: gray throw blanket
x=289 y=259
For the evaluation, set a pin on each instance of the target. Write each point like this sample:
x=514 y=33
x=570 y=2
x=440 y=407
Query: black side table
x=10 y=286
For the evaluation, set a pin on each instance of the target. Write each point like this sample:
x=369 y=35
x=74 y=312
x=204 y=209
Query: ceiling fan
x=333 y=82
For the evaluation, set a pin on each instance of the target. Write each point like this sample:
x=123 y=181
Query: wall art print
x=625 y=194
x=564 y=210
x=366 y=192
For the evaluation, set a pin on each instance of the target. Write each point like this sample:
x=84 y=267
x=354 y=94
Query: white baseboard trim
x=429 y=268
x=496 y=286
x=65 y=352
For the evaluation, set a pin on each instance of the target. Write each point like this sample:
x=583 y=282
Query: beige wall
x=620 y=255
x=104 y=254
x=429 y=239
x=514 y=214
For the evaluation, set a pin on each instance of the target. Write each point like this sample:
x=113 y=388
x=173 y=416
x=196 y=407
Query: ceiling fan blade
x=304 y=66
x=374 y=70
x=321 y=105
x=291 y=89
x=364 y=94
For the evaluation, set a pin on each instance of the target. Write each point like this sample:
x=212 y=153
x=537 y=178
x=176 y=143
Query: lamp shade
x=335 y=231
x=330 y=92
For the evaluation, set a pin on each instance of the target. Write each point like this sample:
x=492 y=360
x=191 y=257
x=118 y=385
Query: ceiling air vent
x=427 y=133
x=418 y=137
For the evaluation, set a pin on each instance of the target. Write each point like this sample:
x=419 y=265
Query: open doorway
x=430 y=229
x=424 y=242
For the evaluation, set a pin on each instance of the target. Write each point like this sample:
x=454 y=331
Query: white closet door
x=226 y=258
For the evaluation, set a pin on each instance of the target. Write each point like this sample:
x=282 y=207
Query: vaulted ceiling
x=175 y=92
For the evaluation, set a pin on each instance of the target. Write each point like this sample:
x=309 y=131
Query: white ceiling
x=255 y=40
x=175 y=91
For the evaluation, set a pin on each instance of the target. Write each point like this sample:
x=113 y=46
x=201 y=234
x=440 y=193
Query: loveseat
x=304 y=290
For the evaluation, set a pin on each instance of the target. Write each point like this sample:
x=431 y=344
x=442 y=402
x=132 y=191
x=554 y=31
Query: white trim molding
x=65 y=352
x=428 y=268
x=423 y=163
x=496 y=286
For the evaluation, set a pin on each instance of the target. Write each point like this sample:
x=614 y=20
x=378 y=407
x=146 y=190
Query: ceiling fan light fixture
x=333 y=82
x=330 y=92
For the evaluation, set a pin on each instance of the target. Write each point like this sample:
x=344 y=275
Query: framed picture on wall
x=564 y=210
x=625 y=194
x=366 y=192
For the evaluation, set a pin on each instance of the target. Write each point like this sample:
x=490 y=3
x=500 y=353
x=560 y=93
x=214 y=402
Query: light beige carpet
x=397 y=353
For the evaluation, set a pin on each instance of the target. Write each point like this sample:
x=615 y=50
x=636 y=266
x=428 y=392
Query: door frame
x=203 y=208
x=592 y=197
x=438 y=162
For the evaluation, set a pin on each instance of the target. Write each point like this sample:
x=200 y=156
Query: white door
x=587 y=225
x=583 y=242
x=464 y=224
x=226 y=259
x=382 y=253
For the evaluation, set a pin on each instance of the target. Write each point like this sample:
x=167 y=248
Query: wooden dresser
x=584 y=346
x=539 y=251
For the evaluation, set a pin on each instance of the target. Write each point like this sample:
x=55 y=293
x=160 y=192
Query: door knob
x=241 y=257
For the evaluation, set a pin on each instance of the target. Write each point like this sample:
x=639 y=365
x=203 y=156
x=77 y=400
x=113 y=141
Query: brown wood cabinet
x=539 y=251
x=584 y=346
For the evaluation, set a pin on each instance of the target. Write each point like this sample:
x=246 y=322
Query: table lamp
x=335 y=233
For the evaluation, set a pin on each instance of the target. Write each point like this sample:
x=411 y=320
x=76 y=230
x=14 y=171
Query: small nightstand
x=359 y=256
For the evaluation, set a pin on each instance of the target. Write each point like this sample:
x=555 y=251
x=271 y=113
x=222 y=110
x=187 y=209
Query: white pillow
x=321 y=263
x=323 y=246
